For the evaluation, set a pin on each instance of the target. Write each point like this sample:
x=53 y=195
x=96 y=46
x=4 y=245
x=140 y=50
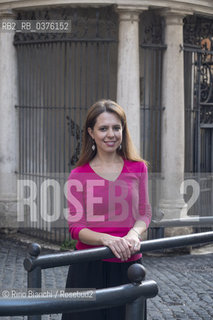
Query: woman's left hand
x=134 y=241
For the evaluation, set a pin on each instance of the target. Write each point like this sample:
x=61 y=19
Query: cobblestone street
x=185 y=282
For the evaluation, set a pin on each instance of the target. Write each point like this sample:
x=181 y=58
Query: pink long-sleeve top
x=107 y=206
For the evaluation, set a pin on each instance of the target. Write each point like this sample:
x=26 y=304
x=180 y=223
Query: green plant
x=68 y=244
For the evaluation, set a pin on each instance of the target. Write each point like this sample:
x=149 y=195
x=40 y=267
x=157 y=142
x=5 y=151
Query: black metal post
x=34 y=276
x=136 y=309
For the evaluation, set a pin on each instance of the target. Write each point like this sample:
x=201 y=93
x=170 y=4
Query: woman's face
x=107 y=132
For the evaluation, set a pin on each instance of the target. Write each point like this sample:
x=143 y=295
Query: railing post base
x=34 y=276
x=136 y=310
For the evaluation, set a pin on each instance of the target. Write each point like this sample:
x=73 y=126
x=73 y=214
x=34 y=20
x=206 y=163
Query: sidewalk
x=185 y=281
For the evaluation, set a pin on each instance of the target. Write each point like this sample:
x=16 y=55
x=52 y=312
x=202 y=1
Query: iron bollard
x=137 y=308
x=34 y=276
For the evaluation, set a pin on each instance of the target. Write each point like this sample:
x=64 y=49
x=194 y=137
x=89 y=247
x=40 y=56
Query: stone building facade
x=137 y=52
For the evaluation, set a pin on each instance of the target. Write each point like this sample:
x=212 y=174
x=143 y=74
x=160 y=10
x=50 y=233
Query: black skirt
x=98 y=275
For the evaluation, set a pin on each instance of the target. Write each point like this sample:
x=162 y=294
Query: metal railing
x=156 y=227
x=190 y=221
x=36 y=262
x=132 y=294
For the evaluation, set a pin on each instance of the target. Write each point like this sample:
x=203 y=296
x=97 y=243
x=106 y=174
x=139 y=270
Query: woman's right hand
x=119 y=246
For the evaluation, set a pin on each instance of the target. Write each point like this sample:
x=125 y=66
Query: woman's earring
x=93 y=146
x=120 y=147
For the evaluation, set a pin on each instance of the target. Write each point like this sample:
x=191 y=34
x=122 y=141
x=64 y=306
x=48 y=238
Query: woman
x=108 y=204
